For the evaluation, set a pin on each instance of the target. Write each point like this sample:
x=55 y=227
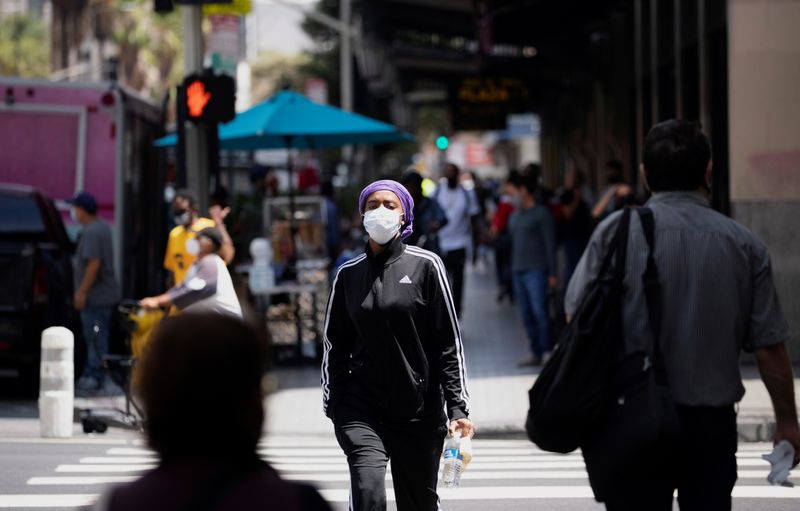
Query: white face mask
x=382 y=224
x=192 y=246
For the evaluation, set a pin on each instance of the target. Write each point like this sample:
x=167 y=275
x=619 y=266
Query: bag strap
x=618 y=251
x=652 y=293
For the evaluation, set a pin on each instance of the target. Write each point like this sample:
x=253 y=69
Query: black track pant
x=700 y=464
x=414 y=450
x=454 y=262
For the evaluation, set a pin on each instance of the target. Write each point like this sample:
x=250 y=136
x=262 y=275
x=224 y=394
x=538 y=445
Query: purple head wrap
x=402 y=194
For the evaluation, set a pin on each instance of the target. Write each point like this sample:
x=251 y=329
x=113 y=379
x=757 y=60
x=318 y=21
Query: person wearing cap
x=429 y=216
x=96 y=288
x=181 y=248
x=207 y=285
x=393 y=371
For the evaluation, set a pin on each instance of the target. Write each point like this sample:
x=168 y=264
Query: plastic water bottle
x=451 y=471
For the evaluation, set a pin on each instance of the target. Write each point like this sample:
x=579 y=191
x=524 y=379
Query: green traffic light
x=442 y=143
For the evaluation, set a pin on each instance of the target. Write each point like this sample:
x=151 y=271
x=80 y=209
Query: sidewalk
x=494 y=342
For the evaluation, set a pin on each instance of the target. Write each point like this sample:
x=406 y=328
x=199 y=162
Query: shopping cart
x=137 y=325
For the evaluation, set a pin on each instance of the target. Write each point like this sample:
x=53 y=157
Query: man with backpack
x=462 y=229
x=717 y=296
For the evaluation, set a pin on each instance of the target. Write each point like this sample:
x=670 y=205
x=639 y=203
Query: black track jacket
x=392 y=341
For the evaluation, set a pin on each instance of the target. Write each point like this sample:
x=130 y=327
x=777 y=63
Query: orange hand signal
x=197 y=98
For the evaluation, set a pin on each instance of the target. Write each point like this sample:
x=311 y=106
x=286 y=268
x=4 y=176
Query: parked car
x=36 y=282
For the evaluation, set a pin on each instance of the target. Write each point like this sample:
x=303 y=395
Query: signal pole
x=197 y=164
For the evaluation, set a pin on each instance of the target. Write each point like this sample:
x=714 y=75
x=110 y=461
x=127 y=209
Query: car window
x=20 y=214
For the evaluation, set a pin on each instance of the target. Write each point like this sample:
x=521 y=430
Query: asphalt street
x=505 y=474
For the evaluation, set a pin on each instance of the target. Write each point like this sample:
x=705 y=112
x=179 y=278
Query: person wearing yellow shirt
x=182 y=247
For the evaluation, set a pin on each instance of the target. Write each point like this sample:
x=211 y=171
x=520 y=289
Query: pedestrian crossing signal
x=209 y=98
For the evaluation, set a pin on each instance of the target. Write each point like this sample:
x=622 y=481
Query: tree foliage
x=273 y=71
x=150 y=46
x=24 y=47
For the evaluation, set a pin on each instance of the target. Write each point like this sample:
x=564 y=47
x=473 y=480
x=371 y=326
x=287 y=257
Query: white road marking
x=89 y=469
x=79 y=480
x=130 y=451
x=559 y=492
x=58 y=501
x=119 y=460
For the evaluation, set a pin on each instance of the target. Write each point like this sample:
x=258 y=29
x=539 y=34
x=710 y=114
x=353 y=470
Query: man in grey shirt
x=533 y=263
x=718 y=298
x=96 y=289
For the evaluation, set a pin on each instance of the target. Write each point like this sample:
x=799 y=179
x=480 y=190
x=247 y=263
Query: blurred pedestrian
x=201 y=388
x=429 y=217
x=96 y=288
x=181 y=246
x=533 y=262
x=460 y=234
x=333 y=235
x=207 y=285
x=575 y=227
x=508 y=202
x=616 y=195
x=717 y=297
x=393 y=368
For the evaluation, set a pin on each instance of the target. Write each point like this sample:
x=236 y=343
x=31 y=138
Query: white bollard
x=56 y=387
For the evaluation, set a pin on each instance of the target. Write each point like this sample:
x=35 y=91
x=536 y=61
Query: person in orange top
x=182 y=247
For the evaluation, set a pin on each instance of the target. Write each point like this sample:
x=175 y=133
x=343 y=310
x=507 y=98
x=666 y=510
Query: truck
x=57 y=139
x=65 y=137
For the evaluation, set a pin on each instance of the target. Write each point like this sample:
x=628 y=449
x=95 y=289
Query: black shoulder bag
x=572 y=393
x=642 y=412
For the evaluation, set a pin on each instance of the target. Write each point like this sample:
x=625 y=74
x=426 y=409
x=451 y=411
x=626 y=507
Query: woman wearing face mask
x=393 y=373
x=207 y=286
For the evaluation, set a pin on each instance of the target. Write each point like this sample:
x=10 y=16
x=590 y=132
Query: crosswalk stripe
x=478 y=459
x=58 y=501
x=476 y=475
x=559 y=492
x=130 y=451
x=79 y=480
x=103 y=468
x=121 y=460
x=520 y=465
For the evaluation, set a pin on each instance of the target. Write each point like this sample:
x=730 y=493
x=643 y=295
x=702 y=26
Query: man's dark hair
x=213 y=234
x=534 y=170
x=676 y=156
x=201 y=386
x=411 y=177
x=530 y=182
x=514 y=178
x=185 y=193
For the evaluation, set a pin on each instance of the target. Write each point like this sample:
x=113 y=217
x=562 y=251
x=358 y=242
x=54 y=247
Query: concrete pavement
x=494 y=342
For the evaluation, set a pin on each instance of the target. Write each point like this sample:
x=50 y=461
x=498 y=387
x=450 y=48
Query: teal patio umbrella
x=290 y=120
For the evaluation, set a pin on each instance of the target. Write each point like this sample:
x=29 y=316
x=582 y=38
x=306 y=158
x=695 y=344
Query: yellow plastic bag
x=146 y=322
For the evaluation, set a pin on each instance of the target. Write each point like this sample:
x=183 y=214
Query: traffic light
x=209 y=98
x=203 y=2
x=163 y=6
x=442 y=142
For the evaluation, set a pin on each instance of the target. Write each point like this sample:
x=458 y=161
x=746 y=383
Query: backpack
x=570 y=397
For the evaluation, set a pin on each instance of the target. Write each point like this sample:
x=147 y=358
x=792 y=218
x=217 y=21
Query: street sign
x=238 y=7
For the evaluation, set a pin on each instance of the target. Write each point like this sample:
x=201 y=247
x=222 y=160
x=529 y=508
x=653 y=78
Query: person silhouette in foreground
x=201 y=388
